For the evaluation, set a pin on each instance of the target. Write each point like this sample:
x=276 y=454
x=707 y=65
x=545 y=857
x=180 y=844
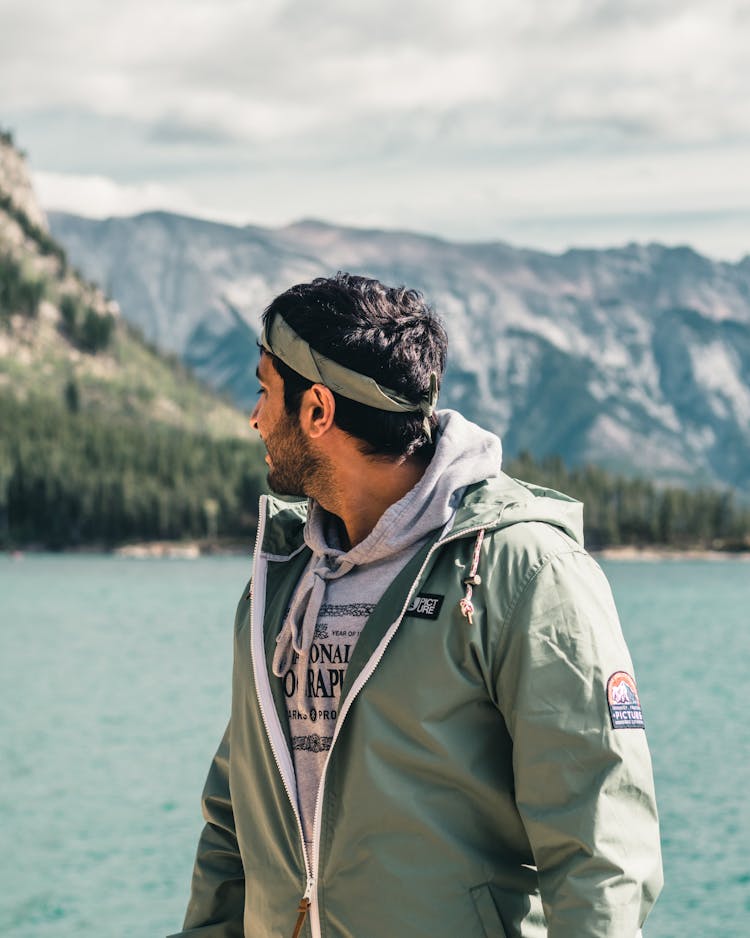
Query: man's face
x=291 y=462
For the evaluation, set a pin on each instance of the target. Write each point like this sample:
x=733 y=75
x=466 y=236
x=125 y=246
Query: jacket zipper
x=308 y=903
x=262 y=689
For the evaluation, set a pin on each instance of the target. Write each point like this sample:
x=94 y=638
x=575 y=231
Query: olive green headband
x=283 y=342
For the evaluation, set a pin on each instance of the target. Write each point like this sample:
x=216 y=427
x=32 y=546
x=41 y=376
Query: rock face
x=15 y=182
x=636 y=358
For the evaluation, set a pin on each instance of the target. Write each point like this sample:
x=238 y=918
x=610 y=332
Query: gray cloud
x=284 y=70
x=173 y=130
x=188 y=90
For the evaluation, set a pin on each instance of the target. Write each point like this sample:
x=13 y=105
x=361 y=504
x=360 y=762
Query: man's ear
x=316 y=412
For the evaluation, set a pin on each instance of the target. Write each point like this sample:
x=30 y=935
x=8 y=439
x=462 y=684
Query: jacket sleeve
x=584 y=790
x=217 y=896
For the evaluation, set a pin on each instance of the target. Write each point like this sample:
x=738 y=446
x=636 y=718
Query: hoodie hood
x=465 y=454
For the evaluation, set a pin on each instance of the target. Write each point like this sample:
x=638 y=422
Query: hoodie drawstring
x=298 y=631
x=472 y=580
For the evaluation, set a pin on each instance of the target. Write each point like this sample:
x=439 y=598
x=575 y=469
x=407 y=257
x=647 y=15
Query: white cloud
x=101 y=197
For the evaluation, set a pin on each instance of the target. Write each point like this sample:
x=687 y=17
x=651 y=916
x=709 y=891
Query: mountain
x=62 y=339
x=634 y=358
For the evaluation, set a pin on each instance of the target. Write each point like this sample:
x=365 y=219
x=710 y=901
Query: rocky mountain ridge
x=635 y=358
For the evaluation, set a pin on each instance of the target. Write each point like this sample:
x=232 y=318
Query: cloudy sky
x=546 y=123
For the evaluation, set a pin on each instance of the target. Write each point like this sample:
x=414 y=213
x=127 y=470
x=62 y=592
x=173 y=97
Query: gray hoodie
x=340 y=588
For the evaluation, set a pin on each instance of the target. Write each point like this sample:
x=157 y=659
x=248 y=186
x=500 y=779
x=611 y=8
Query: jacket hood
x=501 y=502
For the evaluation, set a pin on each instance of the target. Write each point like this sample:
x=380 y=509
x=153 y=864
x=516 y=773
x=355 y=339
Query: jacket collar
x=495 y=503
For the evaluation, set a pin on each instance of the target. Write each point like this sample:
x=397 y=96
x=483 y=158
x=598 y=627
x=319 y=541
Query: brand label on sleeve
x=624 y=705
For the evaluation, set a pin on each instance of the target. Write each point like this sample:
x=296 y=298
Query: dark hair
x=387 y=333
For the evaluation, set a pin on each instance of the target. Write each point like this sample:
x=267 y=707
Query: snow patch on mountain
x=717 y=370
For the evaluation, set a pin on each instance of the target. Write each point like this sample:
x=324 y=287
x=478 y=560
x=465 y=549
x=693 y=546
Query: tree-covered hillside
x=622 y=511
x=71 y=479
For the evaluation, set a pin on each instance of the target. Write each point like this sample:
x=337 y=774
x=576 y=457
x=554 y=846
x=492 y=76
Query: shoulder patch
x=622 y=700
x=425 y=606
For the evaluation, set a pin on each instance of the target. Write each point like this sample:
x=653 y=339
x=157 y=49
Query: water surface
x=114 y=686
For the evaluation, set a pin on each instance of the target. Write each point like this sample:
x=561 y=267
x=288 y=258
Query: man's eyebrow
x=257 y=372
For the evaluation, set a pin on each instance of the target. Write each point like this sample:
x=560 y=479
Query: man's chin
x=283 y=486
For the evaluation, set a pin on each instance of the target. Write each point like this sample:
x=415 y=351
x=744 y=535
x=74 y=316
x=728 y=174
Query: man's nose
x=253 y=421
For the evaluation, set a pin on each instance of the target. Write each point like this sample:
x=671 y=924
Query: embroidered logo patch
x=425 y=606
x=624 y=705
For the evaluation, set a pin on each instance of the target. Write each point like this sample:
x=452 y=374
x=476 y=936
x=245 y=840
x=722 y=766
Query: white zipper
x=274 y=731
x=266 y=703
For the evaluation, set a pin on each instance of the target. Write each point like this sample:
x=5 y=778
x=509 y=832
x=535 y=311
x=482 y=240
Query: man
x=435 y=730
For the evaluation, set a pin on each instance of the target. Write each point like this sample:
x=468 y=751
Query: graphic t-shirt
x=313 y=682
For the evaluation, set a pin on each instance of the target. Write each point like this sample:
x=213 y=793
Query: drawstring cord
x=472 y=580
x=298 y=630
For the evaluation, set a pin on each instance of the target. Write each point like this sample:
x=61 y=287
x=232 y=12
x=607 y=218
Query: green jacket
x=475 y=787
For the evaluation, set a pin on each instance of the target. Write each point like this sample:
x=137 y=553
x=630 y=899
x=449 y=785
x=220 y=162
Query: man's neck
x=361 y=490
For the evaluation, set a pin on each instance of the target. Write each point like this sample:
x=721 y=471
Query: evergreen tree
x=69 y=477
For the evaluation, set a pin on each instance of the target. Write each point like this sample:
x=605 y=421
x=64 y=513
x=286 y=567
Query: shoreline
x=657 y=553
x=195 y=549
x=183 y=550
x=144 y=550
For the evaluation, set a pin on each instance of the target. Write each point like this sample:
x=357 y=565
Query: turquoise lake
x=114 y=686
